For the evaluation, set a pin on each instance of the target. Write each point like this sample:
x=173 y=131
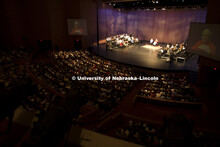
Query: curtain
x=168 y=26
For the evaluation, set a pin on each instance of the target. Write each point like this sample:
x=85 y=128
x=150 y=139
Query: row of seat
x=66 y=64
x=171 y=87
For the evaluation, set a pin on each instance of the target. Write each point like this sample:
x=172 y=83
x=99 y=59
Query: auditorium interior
x=94 y=73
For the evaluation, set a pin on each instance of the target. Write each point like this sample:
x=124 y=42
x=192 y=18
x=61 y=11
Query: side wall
x=44 y=20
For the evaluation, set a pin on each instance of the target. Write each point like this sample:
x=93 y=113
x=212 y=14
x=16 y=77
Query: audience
x=141 y=133
x=104 y=94
x=169 y=86
x=149 y=134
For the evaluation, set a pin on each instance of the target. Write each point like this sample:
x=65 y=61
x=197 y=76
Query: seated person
x=155 y=42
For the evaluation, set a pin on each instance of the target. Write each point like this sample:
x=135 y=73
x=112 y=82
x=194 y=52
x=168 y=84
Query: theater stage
x=145 y=56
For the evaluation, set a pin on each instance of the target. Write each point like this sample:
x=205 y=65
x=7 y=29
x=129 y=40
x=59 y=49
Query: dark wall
x=24 y=18
x=6 y=33
x=43 y=20
x=73 y=11
x=213 y=17
x=57 y=19
x=208 y=76
x=213 y=12
x=36 y=21
x=12 y=27
x=89 y=12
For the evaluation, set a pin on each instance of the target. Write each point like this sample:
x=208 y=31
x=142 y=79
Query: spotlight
x=154 y=8
x=163 y=8
x=110 y=4
x=157 y=2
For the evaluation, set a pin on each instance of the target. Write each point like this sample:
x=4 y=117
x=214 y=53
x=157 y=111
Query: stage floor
x=145 y=56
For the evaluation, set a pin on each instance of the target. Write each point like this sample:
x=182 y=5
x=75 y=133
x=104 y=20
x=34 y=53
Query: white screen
x=77 y=27
x=204 y=40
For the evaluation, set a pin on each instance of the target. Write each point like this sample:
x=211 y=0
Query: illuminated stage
x=145 y=55
x=152 y=47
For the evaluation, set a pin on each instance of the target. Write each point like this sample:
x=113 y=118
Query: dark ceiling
x=129 y=4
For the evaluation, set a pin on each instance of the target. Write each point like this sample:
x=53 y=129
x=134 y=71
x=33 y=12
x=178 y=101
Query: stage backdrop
x=168 y=26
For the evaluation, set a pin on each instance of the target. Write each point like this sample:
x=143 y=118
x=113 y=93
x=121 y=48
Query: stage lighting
x=157 y=2
x=163 y=8
x=110 y=4
x=154 y=8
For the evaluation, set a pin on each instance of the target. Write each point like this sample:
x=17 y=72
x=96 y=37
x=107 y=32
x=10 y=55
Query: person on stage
x=155 y=42
x=107 y=46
